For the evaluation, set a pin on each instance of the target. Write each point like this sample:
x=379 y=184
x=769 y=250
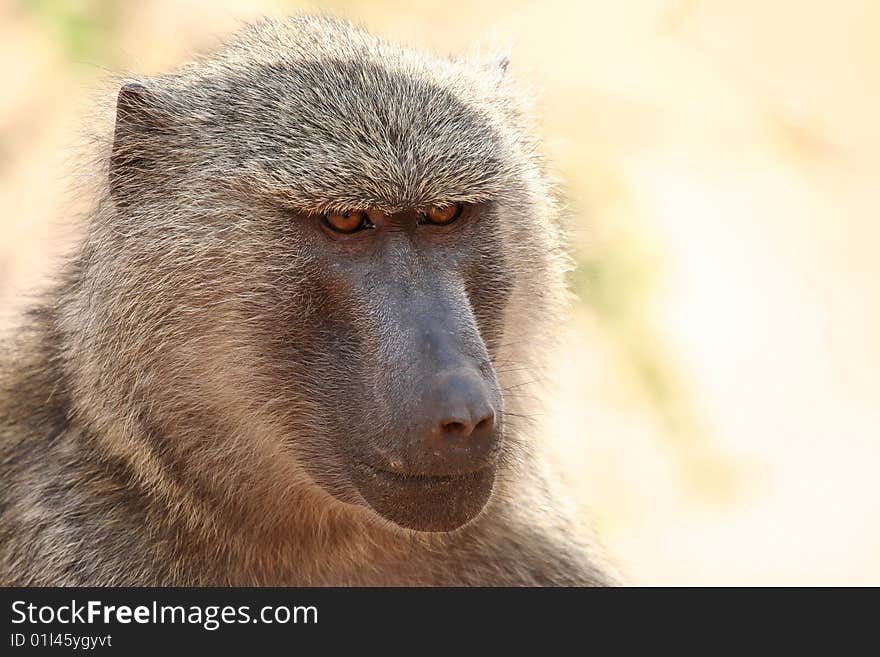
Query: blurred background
x=718 y=412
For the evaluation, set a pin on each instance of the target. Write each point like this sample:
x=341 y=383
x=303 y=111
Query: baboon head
x=333 y=242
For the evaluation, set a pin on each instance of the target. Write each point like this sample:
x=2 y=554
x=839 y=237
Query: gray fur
x=158 y=410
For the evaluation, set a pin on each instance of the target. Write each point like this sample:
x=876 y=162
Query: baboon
x=298 y=343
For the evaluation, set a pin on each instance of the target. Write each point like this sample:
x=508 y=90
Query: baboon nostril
x=486 y=423
x=457 y=429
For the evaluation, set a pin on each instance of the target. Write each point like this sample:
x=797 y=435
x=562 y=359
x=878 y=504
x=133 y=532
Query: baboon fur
x=158 y=405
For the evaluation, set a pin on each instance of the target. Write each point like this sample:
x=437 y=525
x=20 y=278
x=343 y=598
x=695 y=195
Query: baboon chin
x=427 y=503
x=310 y=308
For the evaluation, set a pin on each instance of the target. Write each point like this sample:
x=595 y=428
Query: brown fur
x=179 y=410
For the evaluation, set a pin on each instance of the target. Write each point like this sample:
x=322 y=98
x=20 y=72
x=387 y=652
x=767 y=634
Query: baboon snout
x=458 y=424
x=433 y=467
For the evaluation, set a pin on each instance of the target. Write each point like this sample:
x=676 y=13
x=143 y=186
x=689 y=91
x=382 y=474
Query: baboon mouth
x=428 y=503
x=417 y=479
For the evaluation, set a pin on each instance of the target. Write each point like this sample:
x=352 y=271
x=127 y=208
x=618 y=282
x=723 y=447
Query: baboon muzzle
x=435 y=469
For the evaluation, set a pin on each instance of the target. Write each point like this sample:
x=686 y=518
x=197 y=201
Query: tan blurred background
x=719 y=406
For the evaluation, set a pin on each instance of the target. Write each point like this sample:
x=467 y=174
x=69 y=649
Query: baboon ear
x=137 y=136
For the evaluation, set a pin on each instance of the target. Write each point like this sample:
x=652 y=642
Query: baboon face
x=406 y=411
x=359 y=212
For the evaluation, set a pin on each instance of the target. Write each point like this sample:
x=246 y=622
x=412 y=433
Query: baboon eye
x=443 y=215
x=346 y=222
